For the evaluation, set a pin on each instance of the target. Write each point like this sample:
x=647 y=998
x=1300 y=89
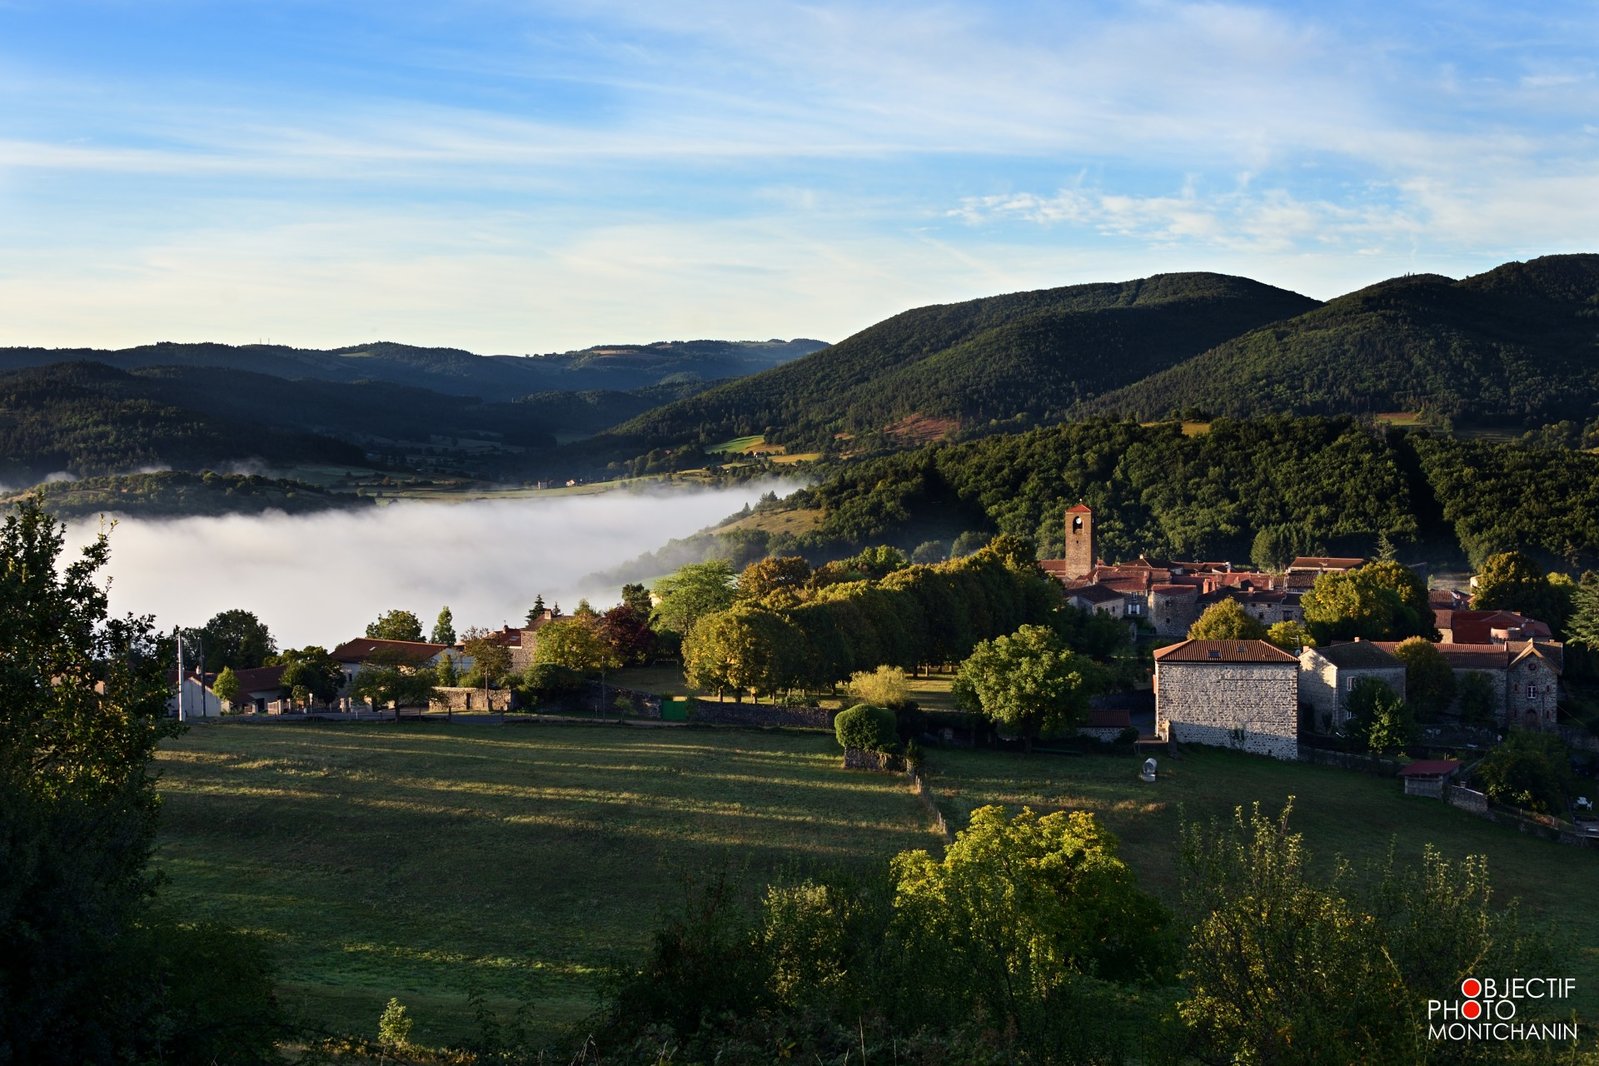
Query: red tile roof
x=1325 y=562
x=260 y=679
x=362 y=649
x=1079 y=508
x=1224 y=651
x=1477 y=627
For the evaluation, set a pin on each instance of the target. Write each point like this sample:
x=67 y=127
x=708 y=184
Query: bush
x=865 y=726
x=547 y=682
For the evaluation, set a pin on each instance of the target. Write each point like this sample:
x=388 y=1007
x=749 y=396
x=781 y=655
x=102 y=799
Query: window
x=1532 y=692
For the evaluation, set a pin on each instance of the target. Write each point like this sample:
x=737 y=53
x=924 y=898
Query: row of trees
x=789 y=631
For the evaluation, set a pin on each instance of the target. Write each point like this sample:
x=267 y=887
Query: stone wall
x=861 y=759
x=760 y=714
x=1532 y=689
x=472 y=699
x=1466 y=799
x=1253 y=707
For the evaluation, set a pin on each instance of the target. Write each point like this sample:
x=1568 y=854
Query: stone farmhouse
x=1228 y=693
x=353 y=655
x=523 y=640
x=1328 y=675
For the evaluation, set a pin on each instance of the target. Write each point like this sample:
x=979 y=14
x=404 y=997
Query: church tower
x=1080 y=557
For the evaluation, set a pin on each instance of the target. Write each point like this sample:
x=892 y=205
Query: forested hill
x=617 y=367
x=1004 y=361
x=1262 y=490
x=1516 y=346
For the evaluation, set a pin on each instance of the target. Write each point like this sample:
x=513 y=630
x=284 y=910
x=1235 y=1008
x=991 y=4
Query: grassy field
x=1339 y=812
x=408 y=861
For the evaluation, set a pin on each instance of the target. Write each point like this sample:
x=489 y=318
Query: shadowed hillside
x=1516 y=346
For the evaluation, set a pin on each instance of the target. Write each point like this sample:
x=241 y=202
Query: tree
x=396 y=625
x=1429 y=680
x=311 y=674
x=1511 y=581
x=1583 y=626
x=444 y=628
x=765 y=578
x=88 y=973
x=388 y=678
x=578 y=643
x=744 y=648
x=866 y=727
x=1378 y=601
x=536 y=611
x=1290 y=635
x=491 y=659
x=1282 y=968
x=1529 y=770
x=637 y=597
x=235 y=638
x=1288 y=965
x=693 y=592
x=1023 y=908
x=1027 y=683
x=226 y=686
x=629 y=634
x=1227 y=620
x=1479 y=703
x=1379 y=716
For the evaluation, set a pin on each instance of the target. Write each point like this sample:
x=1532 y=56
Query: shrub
x=546 y=682
x=865 y=726
x=886 y=686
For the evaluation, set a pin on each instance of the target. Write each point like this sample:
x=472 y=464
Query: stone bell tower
x=1080 y=556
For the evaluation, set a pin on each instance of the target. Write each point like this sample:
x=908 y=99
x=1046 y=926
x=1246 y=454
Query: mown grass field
x=410 y=861
x=1338 y=811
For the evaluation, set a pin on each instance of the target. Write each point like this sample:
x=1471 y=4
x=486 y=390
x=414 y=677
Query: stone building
x=1327 y=676
x=1228 y=693
x=1524 y=674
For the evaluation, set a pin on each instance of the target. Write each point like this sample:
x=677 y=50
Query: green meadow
x=416 y=861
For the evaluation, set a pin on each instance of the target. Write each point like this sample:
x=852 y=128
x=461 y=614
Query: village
x=1231 y=663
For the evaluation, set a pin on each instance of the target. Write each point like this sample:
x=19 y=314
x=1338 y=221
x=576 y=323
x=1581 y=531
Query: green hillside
x=85 y=418
x=1311 y=485
x=1003 y=361
x=1517 y=346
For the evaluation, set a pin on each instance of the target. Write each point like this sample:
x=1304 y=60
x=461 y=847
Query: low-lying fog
x=321 y=578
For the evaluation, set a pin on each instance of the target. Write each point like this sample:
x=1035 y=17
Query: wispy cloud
x=516 y=174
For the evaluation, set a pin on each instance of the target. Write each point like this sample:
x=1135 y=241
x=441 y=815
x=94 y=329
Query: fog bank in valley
x=319 y=579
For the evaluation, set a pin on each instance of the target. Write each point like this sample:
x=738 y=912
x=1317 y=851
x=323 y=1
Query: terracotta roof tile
x=1223 y=651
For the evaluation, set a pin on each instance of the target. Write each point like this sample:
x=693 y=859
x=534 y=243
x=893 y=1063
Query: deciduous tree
x=1227 y=620
x=1028 y=683
x=396 y=625
x=693 y=592
x=235 y=638
x=1429 y=680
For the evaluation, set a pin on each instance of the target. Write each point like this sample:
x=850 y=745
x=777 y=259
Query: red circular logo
x=1471 y=1008
x=1471 y=987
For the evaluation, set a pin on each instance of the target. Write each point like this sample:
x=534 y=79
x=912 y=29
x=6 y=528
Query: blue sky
x=530 y=177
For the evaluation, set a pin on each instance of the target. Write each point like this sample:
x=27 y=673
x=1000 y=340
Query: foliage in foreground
x=89 y=971
x=1028 y=941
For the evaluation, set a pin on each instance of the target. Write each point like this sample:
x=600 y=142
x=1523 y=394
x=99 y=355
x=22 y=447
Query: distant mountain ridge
x=999 y=362
x=452 y=371
x=1517 y=345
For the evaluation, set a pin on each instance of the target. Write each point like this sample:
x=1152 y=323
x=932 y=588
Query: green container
x=674 y=709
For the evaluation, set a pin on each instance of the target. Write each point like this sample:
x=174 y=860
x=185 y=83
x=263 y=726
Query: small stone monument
x=1148 y=773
